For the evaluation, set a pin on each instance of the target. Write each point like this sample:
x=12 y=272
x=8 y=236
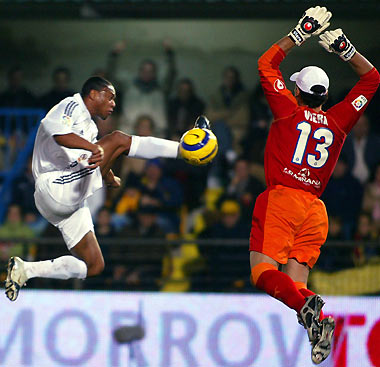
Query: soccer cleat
x=202 y=122
x=309 y=316
x=16 y=277
x=322 y=348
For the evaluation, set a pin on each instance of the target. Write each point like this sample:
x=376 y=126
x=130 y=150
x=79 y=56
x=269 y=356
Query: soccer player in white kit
x=69 y=165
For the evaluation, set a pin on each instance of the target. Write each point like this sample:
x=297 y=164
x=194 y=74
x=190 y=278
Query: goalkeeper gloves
x=313 y=22
x=337 y=42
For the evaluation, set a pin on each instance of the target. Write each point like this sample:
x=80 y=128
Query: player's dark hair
x=94 y=83
x=315 y=99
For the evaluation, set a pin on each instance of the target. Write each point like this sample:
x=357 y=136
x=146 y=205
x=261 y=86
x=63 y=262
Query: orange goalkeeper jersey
x=303 y=146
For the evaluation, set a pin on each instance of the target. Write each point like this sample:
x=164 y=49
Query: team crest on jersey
x=359 y=102
x=66 y=120
x=82 y=157
x=278 y=85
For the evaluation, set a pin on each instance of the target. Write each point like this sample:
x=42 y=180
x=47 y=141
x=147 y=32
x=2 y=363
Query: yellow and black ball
x=198 y=146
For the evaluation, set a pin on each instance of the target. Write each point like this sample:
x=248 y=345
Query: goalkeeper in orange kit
x=289 y=223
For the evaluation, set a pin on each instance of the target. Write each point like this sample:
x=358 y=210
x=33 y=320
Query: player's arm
x=336 y=41
x=286 y=44
x=349 y=110
x=313 y=22
x=280 y=99
x=360 y=64
x=74 y=141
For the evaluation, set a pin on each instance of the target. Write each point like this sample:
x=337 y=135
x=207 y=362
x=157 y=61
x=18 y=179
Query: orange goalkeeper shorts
x=289 y=223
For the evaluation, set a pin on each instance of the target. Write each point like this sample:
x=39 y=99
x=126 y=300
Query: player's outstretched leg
x=145 y=147
x=19 y=272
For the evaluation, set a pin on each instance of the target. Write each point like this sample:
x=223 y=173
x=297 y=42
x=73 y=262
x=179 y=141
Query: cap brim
x=293 y=77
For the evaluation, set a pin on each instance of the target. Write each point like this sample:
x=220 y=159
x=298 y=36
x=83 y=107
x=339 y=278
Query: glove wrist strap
x=296 y=36
x=348 y=55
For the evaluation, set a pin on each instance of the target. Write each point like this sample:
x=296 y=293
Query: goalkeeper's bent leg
x=278 y=285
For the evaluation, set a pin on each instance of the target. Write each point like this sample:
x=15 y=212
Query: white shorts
x=73 y=220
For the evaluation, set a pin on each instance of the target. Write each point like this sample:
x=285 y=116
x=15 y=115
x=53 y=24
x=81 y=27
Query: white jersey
x=65 y=170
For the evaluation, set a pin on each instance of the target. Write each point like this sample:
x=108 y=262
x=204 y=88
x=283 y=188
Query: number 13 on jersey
x=313 y=160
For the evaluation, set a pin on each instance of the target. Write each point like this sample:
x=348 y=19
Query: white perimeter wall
x=47 y=329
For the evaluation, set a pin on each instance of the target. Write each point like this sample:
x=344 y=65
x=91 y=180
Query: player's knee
x=96 y=267
x=122 y=139
x=259 y=269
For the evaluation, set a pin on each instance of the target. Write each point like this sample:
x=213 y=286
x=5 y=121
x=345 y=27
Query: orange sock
x=307 y=292
x=278 y=285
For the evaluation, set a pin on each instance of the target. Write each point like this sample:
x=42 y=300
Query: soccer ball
x=198 y=146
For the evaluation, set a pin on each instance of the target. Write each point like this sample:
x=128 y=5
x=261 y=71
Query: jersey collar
x=79 y=99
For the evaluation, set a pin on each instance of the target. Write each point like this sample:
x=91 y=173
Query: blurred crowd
x=168 y=199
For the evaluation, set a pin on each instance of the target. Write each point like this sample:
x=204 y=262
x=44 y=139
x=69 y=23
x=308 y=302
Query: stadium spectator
x=224 y=264
x=61 y=77
x=192 y=180
x=183 y=109
x=142 y=262
x=145 y=95
x=253 y=144
x=144 y=126
x=362 y=150
x=259 y=108
x=230 y=224
x=23 y=190
x=333 y=256
x=343 y=197
x=103 y=226
x=163 y=193
x=104 y=230
x=365 y=233
x=373 y=113
x=335 y=229
x=229 y=104
x=244 y=188
x=371 y=200
x=14 y=227
x=16 y=94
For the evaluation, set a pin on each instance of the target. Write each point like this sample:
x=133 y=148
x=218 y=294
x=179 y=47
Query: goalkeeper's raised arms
x=337 y=42
x=313 y=22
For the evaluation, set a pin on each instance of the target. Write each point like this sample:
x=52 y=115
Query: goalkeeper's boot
x=322 y=348
x=309 y=316
x=16 y=277
x=202 y=122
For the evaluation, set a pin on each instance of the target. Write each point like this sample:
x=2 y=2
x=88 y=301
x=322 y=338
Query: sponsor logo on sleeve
x=359 y=102
x=278 y=85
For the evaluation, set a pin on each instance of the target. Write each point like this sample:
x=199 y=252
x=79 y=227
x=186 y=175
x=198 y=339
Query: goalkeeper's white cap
x=309 y=77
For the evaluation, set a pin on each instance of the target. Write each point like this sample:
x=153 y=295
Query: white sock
x=64 y=267
x=149 y=147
